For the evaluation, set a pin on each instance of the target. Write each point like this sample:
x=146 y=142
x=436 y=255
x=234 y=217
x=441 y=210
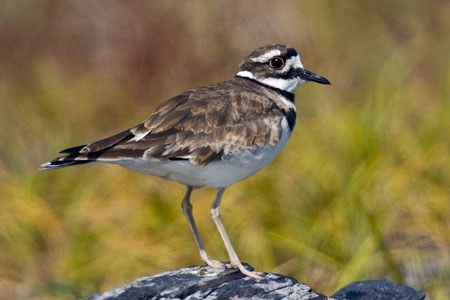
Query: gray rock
x=202 y=282
x=378 y=290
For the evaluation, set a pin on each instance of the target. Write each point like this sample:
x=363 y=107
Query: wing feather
x=202 y=125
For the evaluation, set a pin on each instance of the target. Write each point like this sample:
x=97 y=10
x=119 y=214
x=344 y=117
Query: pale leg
x=187 y=210
x=234 y=259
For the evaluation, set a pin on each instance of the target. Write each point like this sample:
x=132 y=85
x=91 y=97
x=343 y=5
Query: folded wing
x=200 y=125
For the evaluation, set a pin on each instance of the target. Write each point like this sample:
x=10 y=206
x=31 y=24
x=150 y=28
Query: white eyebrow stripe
x=266 y=56
x=293 y=62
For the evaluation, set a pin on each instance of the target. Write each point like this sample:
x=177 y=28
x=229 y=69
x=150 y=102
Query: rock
x=378 y=290
x=202 y=282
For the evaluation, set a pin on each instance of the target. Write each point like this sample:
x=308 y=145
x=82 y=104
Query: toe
x=215 y=264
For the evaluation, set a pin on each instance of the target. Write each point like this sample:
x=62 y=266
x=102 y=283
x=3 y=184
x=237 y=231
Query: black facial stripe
x=287 y=95
x=292 y=73
x=290 y=52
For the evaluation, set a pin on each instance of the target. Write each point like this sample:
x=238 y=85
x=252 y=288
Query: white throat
x=288 y=85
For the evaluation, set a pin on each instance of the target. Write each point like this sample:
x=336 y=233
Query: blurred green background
x=361 y=191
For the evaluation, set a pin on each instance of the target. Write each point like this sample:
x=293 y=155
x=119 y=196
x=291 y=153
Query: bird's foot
x=214 y=263
x=252 y=274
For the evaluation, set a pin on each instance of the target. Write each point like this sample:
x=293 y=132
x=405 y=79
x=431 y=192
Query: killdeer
x=211 y=136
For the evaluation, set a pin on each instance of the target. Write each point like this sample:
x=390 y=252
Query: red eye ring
x=277 y=62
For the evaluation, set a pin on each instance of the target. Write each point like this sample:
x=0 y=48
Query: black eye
x=276 y=62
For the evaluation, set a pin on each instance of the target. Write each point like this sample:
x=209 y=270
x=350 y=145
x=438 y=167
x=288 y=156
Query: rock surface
x=201 y=282
x=378 y=290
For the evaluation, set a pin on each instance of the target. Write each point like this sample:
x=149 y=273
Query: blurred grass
x=361 y=191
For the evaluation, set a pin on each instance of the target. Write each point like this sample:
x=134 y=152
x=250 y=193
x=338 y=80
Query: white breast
x=220 y=173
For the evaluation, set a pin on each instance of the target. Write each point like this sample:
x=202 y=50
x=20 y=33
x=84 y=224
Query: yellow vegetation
x=361 y=191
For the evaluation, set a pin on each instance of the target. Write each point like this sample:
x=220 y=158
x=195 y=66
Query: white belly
x=221 y=173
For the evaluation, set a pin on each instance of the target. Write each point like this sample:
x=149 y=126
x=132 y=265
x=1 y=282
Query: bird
x=211 y=136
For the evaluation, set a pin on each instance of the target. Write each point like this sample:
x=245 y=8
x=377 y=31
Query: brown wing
x=202 y=125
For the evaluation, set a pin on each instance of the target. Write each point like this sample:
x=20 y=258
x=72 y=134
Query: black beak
x=310 y=76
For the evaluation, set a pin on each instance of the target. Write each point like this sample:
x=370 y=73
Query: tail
x=102 y=150
x=73 y=157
